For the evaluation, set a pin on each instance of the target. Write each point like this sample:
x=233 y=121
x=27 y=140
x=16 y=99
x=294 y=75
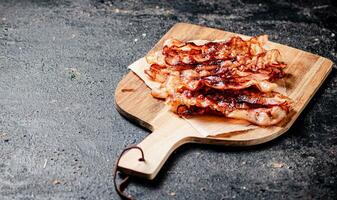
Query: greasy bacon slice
x=230 y=74
x=192 y=80
x=232 y=78
x=179 y=53
x=249 y=104
x=259 y=116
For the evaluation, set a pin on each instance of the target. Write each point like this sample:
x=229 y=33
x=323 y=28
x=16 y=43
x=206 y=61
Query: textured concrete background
x=60 y=62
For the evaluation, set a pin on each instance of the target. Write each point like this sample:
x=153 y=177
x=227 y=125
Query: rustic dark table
x=60 y=62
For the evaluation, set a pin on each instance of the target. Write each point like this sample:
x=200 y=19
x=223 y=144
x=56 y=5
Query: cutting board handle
x=157 y=147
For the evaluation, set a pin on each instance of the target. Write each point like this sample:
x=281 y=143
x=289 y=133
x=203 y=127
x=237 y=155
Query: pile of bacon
x=233 y=78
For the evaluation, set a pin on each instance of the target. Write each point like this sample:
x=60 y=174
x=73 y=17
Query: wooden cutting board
x=134 y=101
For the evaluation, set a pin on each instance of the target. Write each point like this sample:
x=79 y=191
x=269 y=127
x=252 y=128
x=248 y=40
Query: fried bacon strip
x=258 y=116
x=249 y=104
x=179 y=53
x=233 y=78
x=239 y=73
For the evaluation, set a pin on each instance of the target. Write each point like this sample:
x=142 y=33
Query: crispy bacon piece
x=230 y=74
x=180 y=53
x=249 y=104
x=232 y=78
x=259 y=116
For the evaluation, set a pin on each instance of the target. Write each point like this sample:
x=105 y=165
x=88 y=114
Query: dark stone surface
x=60 y=62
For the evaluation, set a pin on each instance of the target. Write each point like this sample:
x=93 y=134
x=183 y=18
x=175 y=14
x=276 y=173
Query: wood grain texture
x=133 y=100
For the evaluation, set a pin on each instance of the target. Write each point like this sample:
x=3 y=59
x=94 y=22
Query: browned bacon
x=180 y=53
x=239 y=104
x=233 y=78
